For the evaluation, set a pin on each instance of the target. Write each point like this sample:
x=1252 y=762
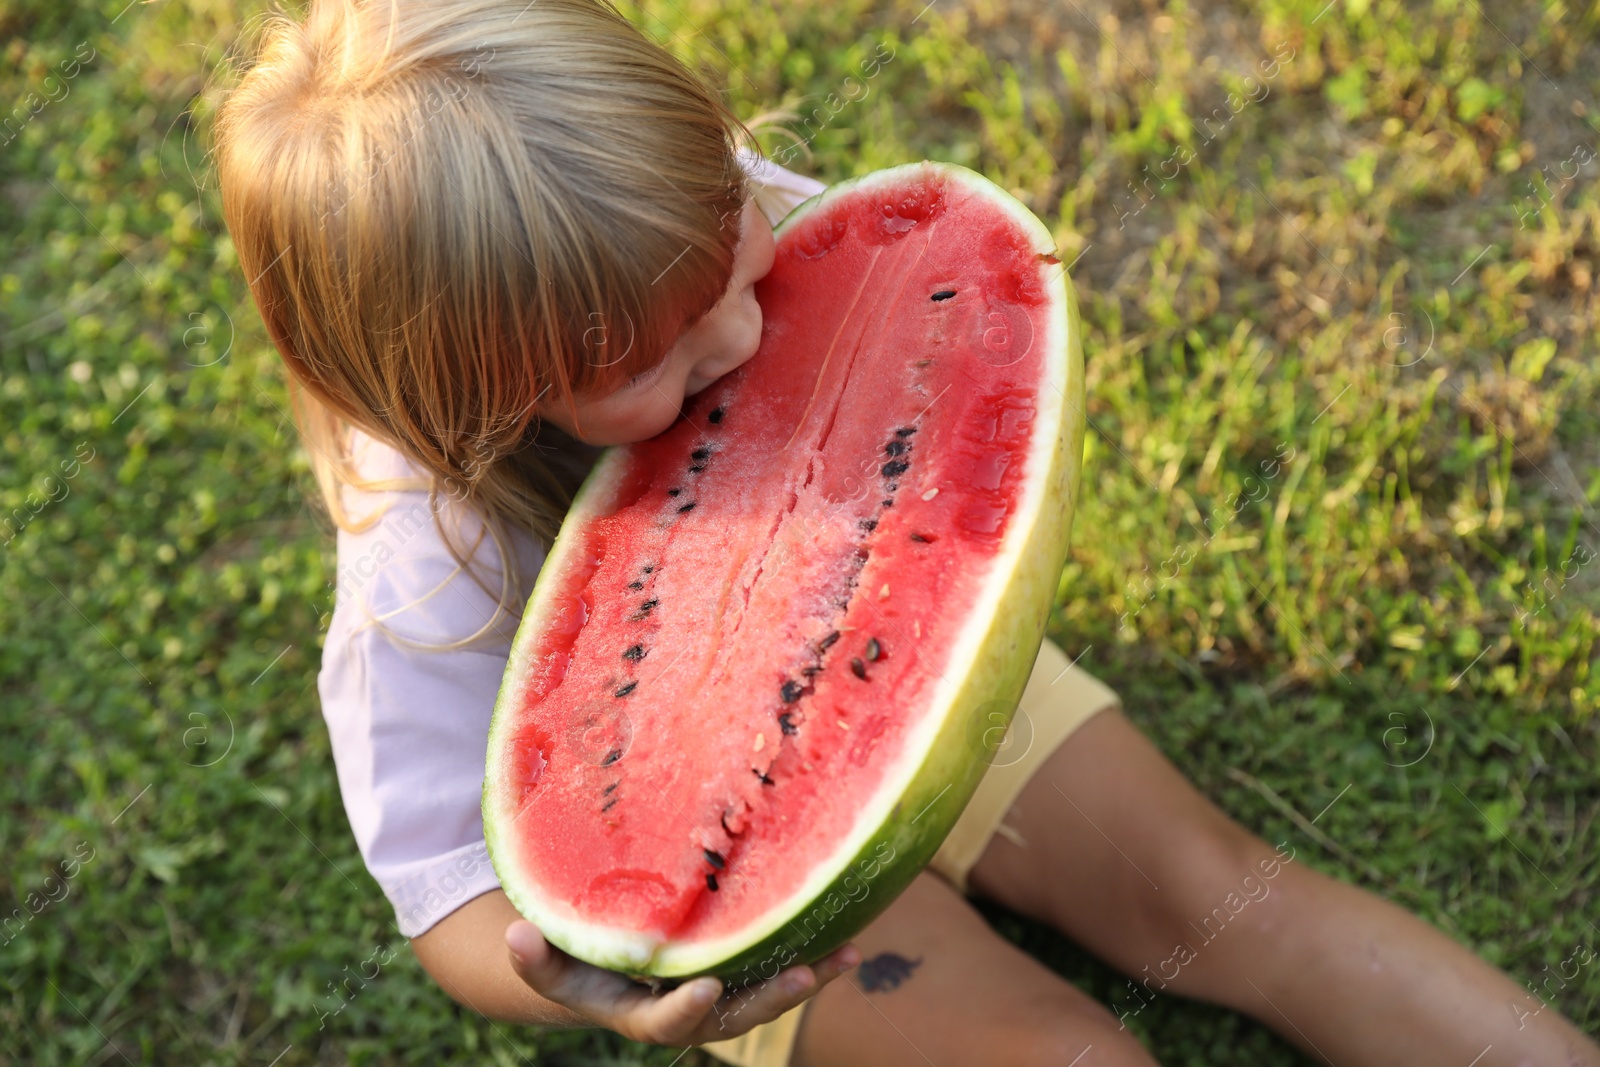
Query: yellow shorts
x=1059 y=698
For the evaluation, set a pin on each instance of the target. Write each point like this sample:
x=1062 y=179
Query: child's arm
x=468 y=954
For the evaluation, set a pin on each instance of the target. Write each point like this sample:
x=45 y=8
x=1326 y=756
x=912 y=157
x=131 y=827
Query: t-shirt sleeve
x=779 y=190
x=409 y=725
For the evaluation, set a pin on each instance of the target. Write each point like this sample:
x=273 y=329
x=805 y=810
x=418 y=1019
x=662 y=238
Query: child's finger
x=750 y=1007
x=836 y=962
x=678 y=1018
x=590 y=991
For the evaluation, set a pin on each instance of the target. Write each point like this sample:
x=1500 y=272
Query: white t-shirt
x=410 y=726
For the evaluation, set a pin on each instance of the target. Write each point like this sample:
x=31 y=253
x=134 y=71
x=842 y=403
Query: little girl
x=489 y=236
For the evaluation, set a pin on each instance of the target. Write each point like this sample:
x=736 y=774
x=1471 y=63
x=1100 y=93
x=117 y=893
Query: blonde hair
x=447 y=211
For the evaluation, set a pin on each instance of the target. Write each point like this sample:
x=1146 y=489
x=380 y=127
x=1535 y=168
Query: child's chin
x=645 y=430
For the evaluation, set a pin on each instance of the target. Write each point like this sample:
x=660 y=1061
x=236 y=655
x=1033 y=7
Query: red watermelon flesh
x=751 y=628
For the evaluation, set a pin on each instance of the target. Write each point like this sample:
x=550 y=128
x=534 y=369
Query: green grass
x=1363 y=276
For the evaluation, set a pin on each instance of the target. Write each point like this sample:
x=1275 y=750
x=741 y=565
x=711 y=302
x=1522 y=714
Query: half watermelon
x=760 y=673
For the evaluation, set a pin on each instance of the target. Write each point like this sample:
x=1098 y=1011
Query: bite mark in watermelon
x=739 y=712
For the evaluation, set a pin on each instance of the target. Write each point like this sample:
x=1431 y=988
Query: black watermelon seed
x=895 y=448
x=892 y=486
x=644 y=609
x=858 y=668
x=648 y=567
x=905 y=431
x=636 y=653
x=809 y=671
x=944 y=294
x=764 y=779
x=611 y=757
x=874 y=650
x=607 y=805
x=711 y=882
x=827 y=642
x=625 y=690
x=636 y=584
x=715 y=416
x=895 y=467
x=674 y=491
x=786 y=724
x=697 y=468
x=700 y=454
x=868 y=524
x=791 y=691
x=612 y=786
x=687 y=507
x=887 y=502
x=920 y=538
x=715 y=859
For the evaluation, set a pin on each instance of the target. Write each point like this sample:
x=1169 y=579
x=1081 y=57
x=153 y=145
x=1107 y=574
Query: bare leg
x=1127 y=858
x=938 y=986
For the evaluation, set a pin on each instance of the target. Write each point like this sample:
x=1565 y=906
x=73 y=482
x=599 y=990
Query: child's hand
x=689 y=1015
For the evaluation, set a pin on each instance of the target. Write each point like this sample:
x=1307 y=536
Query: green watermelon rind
x=869 y=870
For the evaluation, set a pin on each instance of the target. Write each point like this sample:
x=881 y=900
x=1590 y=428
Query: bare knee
x=1222 y=890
